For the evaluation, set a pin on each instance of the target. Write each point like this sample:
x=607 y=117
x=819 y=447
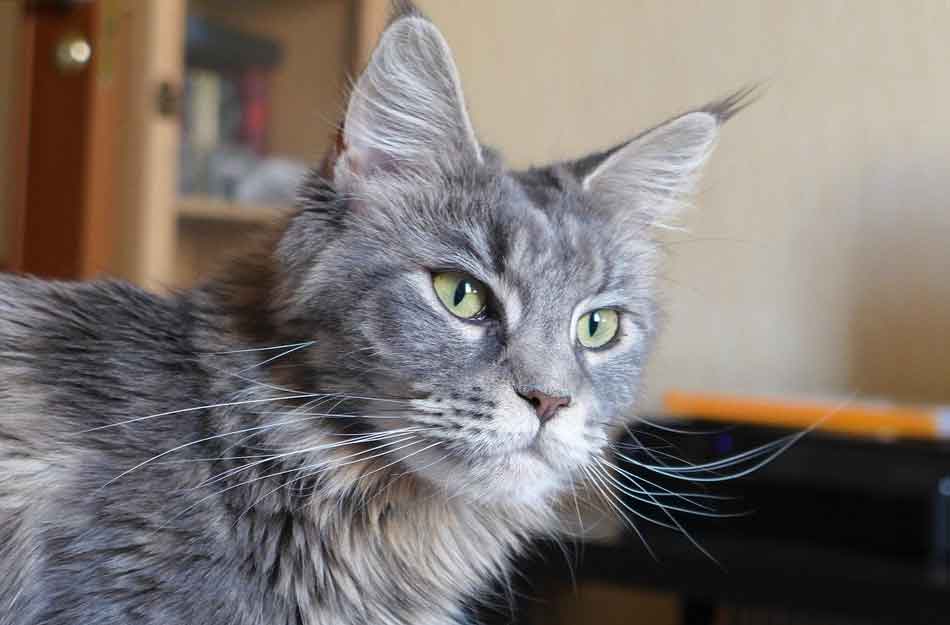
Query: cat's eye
x=598 y=327
x=463 y=295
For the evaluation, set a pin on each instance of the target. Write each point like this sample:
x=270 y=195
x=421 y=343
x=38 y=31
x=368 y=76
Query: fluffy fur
x=311 y=437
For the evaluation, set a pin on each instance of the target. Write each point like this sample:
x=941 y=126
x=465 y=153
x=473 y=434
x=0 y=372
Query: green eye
x=464 y=296
x=596 y=328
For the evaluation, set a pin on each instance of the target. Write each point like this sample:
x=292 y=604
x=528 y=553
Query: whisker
x=601 y=476
x=685 y=473
x=218 y=459
x=325 y=446
x=313 y=403
x=649 y=498
x=598 y=489
x=329 y=415
x=674 y=430
x=240 y=403
x=337 y=466
x=655 y=452
x=734 y=459
x=780 y=444
x=400 y=460
x=259 y=349
x=685 y=533
x=277 y=474
x=422 y=468
x=280 y=355
x=665 y=492
x=195 y=408
x=202 y=440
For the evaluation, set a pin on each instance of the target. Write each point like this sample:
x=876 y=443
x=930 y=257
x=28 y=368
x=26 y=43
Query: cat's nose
x=545 y=406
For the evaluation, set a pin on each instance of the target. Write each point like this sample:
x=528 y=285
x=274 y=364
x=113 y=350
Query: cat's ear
x=649 y=177
x=406 y=111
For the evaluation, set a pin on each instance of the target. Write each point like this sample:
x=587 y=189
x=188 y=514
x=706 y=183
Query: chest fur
x=403 y=566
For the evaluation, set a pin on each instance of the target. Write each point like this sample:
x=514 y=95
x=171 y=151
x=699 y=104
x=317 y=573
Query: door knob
x=73 y=53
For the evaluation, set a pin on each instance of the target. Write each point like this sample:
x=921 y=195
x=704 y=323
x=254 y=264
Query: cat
x=366 y=417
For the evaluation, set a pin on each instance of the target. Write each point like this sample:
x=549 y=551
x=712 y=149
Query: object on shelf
x=272 y=181
x=225 y=126
x=255 y=111
x=215 y=46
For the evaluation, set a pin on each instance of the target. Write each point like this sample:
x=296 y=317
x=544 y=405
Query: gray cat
x=361 y=421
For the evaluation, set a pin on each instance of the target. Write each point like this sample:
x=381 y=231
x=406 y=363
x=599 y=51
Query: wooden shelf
x=198 y=208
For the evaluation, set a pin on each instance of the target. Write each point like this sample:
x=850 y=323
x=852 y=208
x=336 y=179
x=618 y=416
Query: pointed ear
x=406 y=111
x=649 y=177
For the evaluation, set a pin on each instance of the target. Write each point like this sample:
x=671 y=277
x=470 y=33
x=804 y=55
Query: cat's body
x=363 y=420
x=157 y=546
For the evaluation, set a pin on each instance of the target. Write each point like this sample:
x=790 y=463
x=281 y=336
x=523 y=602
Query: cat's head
x=505 y=315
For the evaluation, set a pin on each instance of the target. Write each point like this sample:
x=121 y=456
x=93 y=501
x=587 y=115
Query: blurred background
x=146 y=139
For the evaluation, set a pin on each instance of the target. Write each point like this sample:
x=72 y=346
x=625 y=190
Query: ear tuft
x=734 y=103
x=399 y=9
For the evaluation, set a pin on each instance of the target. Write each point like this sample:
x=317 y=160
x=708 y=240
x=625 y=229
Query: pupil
x=593 y=323
x=462 y=290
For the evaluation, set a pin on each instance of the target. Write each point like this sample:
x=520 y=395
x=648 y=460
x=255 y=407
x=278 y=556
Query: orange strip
x=863 y=420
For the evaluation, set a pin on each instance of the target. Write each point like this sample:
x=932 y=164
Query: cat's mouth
x=531 y=452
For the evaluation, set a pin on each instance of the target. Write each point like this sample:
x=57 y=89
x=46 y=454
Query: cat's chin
x=521 y=478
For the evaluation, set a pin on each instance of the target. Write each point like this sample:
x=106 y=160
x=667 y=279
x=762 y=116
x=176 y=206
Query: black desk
x=847 y=528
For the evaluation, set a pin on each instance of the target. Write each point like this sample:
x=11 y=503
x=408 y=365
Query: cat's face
x=491 y=301
x=508 y=314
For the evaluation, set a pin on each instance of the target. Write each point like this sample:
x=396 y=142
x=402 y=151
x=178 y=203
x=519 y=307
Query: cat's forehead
x=540 y=238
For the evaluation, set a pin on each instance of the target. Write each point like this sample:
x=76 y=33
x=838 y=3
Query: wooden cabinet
x=101 y=145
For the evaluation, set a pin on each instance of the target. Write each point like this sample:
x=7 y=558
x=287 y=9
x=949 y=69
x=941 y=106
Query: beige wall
x=9 y=14
x=818 y=254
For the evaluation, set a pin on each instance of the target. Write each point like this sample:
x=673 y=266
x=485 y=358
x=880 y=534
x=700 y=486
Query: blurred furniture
x=851 y=530
x=96 y=126
x=875 y=418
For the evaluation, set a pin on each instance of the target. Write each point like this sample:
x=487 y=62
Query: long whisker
x=313 y=403
x=329 y=415
x=259 y=428
x=674 y=430
x=598 y=489
x=687 y=497
x=780 y=445
x=600 y=474
x=259 y=349
x=686 y=472
x=400 y=460
x=267 y=458
x=279 y=473
x=682 y=529
x=280 y=355
x=376 y=436
x=734 y=459
x=323 y=469
x=654 y=452
x=650 y=498
x=195 y=408
x=241 y=403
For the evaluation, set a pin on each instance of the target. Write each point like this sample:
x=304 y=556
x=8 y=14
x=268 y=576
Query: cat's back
x=78 y=351
x=74 y=357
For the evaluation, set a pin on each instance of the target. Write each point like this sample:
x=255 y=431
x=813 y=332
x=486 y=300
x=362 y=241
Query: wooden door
x=61 y=224
x=94 y=141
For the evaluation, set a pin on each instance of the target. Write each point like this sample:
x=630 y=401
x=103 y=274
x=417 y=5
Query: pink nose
x=545 y=406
